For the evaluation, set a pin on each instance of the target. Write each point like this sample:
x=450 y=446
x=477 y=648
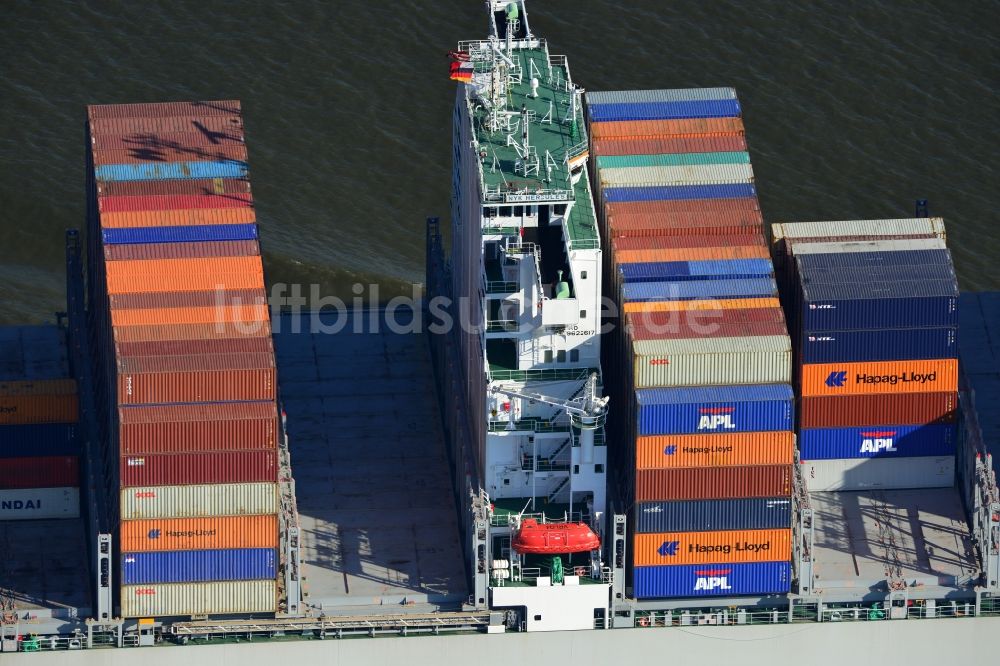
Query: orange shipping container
x=143 y=536
x=251 y=315
x=691 y=254
x=934 y=376
x=177 y=218
x=700 y=304
x=213 y=331
x=203 y=266
x=713 y=547
x=717 y=450
x=25 y=409
x=665 y=128
x=123 y=284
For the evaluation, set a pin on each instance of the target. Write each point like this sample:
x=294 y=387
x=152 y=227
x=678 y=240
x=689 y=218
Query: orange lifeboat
x=554 y=538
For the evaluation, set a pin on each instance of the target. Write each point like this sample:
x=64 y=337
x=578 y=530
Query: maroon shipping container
x=667 y=145
x=173 y=202
x=183 y=469
x=164 y=154
x=168 y=379
x=658 y=485
x=228 y=107
x=229 y=426
x=186 y=299
x=47 y=472
x=143 y=188
x=725 y=323
x=719 y=223
x=688 y=328
x=240 y=345
x=210 y=331
x=855 y=411
x=101 y=127
x=245 y=248
x=179 y=140
x=679 y=206
x=681 y=242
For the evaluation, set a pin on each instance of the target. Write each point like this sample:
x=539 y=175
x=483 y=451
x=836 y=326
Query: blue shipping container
x=171 y=170
x=883 y=441
x=45 y=439
x=713 y=269
x=877 y=274
x=894 y=344
x=714 y=409
x=189 y=234
x=756 y=513
x=874 y=259
x=715 y=108
x=194 y=566
x=694 y=289
x=866 y=305
x=674 y=192
x=712 y=580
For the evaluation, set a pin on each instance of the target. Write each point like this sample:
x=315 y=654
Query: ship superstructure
x=526 y=278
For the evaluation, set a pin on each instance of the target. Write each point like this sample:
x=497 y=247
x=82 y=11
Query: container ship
x=651 y=409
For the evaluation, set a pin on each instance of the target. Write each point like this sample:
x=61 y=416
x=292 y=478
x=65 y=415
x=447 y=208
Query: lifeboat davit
x=554 y=538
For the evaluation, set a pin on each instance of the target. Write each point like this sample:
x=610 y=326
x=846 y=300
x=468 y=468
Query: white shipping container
x=222 y=499
x=893 y=227
x=39 y=503
x=170 y=599
x=693 y=174
x=712 y=361
x=878 y=473
x=896 y=245
x=663 y=95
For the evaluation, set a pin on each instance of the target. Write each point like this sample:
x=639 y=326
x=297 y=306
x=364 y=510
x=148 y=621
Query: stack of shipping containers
x=187 y=371
x=875 y=324
x=39 y=449
x=699 y=362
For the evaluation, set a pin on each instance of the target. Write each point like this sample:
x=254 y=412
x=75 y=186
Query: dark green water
x=853 y=109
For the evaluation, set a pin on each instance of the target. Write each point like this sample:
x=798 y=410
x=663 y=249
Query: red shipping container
x=168 y=379
x=143 y=188
x=656 y=485
x=177 y=218
x=228 y=107
x=48 y=472
x=855 y=411
x=188 y=123
x=186 y=299
x=173 y=202
x=145 y=251
x=227 y=426
x=681 y=242
x=183 y=140
x=166 y=154
x=682 y=224
x=191 y=331
x=666 y=207
x=729 y=323
x=668 y=145
x=241 y=345
x=185 y=469
x=691 y=330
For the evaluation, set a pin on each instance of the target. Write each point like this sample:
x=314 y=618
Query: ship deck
x=379 y=524
x=44 y=568
x=921 y=536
